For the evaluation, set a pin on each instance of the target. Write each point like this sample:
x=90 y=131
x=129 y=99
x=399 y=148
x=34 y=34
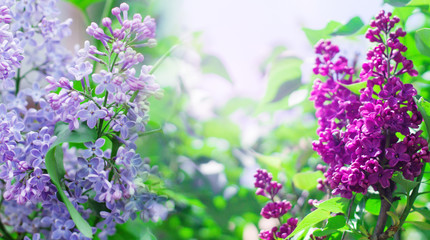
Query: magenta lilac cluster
x=112 y=102
x=274 y=209
x=365 y=138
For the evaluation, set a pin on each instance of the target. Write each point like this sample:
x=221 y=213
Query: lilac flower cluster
x=365 y=139
x=274 y=209
x=37 y=32
x=11 y=52
x=111 y=102
x=117 y=82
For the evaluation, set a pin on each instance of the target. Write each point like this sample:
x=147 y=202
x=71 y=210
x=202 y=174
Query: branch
x=386 y=199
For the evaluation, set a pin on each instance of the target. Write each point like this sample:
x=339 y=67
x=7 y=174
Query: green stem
x=158 y=130
x=101 y=119
x=113 y=63
x=90 y=98
x=351 y=203
x=17 y=81
x=114 y=116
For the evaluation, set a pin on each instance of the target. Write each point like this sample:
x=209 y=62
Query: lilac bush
x=369 y=137
x=358 y=137
x=67 y=150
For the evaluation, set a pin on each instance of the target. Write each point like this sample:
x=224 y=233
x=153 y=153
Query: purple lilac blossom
x=274 y=209
x=358 y=134
x=31 y=37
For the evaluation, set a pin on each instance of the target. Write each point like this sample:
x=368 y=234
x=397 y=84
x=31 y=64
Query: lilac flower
x=81 y=70
x=112 y=193
x=111 y=216
x=36 y=236
x=104 y=82
x=98 y=33
x=371 y=147
x=382 y=177
x=94 y=166
x=38 y=155
x=99 y=180
x=269 y=234
x=397 y=153
x=275 y=209
x=60 y=83
x=122 y=125
x=287 y=228
x=36 y=93
x=154 y=212
x=39 y=179
x=62 y=229
x=94 y=148
x=91 y=114
x=124 y=156
x=262 y=178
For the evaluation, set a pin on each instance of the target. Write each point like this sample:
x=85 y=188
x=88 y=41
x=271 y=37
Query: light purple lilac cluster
x=112 y=102
x=11 y=52
x=274 y=209
x=365 y=139
x=38 y=32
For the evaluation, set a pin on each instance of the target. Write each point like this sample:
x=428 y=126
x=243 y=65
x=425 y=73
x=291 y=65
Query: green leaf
x=355 y=87
x=373 y=206
x=351 y=27
x=58 y=153
x=81 y=135
x=55 y=167
x=315 y=35
x=424 y=108
x=83 y=4
x=152 y=128
x=80 y=222
x=307 y=180
x=284 y=77
x=417 y=3
x=148 y=235
x=363 y=230
x=97 y=207
x=310 y=220
x=332 y=226
x=334 y=205
x=424 y=211
x=397 y=3
x=422 y=40
x=212 y=64
x=403 y=13
x=406 y=184
x=394 y=217
x=420 y=225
